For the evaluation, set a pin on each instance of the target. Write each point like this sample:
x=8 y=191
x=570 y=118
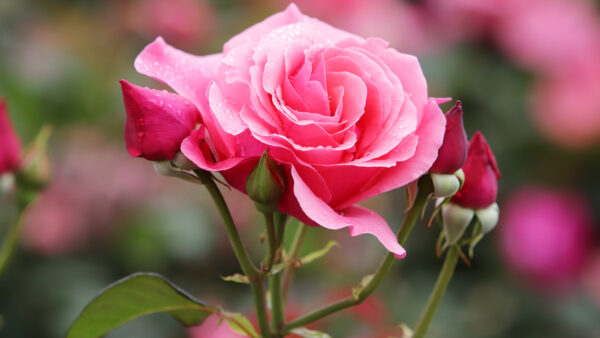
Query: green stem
x=272 y=239
x=438 y=291
x=294 y=253
x=275 y=239
x=256 y=280
x=24 y=198
x=10 y=242
x=425 y=188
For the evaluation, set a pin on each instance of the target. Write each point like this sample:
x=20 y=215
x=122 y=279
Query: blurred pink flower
x=404 y=25
x=93 y=183
x=567 y=108
x=183 y=22
x=552 y=36
x=213 y=327
x=10 y=146
x=546 y=237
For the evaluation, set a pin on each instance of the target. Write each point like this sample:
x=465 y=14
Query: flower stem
x=10 y=242
x=256 y=279
x=362 y=292
x=272 y=239
x=438 y=291
x=275 y=239
x=294 y=253
x=24 y=198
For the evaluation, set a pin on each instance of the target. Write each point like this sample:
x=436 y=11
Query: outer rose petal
x=360 y=220
x=189 y=75
x=157 y=121
x=10 y=145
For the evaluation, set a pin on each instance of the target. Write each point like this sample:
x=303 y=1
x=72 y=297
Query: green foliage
x=135 y=296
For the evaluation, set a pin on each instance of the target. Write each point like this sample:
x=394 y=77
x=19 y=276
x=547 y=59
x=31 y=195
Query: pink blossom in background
x=567 y=108
x=184 y=22
x=552 y=37
x=591 y=278
x=92 y=184
x=10 y=145
x=213 y=327
x=328 y=104
x=546 y=237
x=406 y=26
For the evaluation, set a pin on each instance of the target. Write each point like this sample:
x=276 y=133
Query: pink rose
x=546 y=236
x=347 y=118
x=10 y=145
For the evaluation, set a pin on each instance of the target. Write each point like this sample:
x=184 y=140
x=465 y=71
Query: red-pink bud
x=157 y=121
x=481 y=176
x=453 y=153
x=10 y=146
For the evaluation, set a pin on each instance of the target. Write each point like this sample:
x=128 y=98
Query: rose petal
x=360 y=220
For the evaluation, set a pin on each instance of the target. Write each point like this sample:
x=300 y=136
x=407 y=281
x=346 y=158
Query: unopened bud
x=453 y=152
x=34 y=171
x=266 y=184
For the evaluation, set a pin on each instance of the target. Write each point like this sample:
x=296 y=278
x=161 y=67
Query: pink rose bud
x=266 y=184
x=481 y=176
x=10 y=146
x=157 y=122
x=453 y=153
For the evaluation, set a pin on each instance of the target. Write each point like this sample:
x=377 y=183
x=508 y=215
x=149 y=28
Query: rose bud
x=9 y=142
x=266 y=184
x=34 y=171
x=453 y=153
x=157 y=122
x=481 y=174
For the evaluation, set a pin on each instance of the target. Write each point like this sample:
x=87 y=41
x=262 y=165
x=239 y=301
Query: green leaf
x=240 y=324
x=237 y=278
x=319 y=253
x=135 y=296
x=306 y=333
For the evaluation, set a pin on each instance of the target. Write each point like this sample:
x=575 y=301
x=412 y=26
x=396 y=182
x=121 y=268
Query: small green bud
x=266 y=184
x=488 y=217
x=34 y=171
x=444 y=185
x=456 y=219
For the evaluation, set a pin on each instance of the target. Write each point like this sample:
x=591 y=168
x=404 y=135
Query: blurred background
x=528 y=73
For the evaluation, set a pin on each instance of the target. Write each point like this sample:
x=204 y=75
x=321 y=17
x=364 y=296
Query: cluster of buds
x=465 y=183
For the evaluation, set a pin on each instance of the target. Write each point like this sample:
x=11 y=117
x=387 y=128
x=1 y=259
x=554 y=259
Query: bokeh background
x=528 y=73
